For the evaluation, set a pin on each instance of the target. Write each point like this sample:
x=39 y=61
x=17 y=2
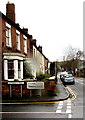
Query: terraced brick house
x=15 y=45
x=18 y=46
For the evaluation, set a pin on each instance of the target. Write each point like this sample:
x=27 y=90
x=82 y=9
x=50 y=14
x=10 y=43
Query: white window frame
x=34 y=52
x=18 y=73
x=25 y=44
x=10 y=61
x=18 y=40
x=8 y=44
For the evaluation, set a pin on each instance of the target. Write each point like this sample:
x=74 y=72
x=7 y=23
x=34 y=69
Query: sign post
x=35 y=85
x=21 y=91
x=30 y=93
x=10 y=91
x=15 y=83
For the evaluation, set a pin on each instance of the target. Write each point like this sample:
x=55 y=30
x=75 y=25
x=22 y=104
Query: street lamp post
x=55 y=72
x=55 y=68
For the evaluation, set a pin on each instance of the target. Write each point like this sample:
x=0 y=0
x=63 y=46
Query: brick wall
x=13 y=38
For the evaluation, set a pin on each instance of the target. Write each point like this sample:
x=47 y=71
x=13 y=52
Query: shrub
x=42 y=76
x=26 y=72
x=29 y=75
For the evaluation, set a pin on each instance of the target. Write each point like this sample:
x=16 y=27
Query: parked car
x=62 y=75
x=68 y=79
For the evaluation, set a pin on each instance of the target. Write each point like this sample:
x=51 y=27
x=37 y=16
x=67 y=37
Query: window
x=10 y=69
x=25 y=44
x=19 y=69
x=18 y=40
x=8 y=35
x=13 y=69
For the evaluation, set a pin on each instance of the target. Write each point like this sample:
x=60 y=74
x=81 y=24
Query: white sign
x=13 y=83
x=35 y=85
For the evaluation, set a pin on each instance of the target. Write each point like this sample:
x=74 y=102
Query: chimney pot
x=40 y=48
x=17 y=24
x=25 y=30
x=34 y=41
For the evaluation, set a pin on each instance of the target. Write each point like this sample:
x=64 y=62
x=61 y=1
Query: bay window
x=19 y=69
x=13 y=69
x=10 y=69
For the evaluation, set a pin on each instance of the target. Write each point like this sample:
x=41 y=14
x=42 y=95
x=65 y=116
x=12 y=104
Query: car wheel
x=73 y=82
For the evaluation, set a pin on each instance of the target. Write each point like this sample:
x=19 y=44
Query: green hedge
x=42 y=76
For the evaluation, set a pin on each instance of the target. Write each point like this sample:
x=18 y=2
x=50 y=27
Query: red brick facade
x=12 y=52
x=13 y=37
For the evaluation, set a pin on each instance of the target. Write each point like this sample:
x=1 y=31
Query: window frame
x=10 y=69
x=25 y=44
x=18 y=40
x=8 y=37
x=19 y=69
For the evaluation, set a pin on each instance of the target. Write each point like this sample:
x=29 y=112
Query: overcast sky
x=55 y=24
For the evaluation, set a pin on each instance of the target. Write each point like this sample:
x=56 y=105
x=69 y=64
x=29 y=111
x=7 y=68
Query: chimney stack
x=40 y=48
x=10 y=11
x=34 y=41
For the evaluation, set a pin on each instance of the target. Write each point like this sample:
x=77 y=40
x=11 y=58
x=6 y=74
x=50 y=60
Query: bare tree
x=80 y=54
x=73 y=57
x=70 y=53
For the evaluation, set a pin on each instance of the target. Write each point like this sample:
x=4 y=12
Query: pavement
x=62 y=94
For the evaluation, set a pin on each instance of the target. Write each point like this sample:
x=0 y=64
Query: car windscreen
x=68 y=75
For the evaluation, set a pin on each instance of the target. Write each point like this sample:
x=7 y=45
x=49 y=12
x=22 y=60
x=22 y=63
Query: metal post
x=55 y=72
x=10 y=90
x=30 y=93
x=55 y=68
x=21 y=91
x=40 y=92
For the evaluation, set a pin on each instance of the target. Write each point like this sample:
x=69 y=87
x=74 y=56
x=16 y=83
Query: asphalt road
x=62 y=109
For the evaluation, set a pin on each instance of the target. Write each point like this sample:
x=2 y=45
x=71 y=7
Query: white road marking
x=59 y=108
x=60 y=105
x=69 y=102
x=58 y=111
x=68 y=106
x=61 y=102
x=69 y=115
x=30 y=112
x=68 y=111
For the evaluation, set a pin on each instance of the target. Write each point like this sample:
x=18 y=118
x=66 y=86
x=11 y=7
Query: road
x=62 y=109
